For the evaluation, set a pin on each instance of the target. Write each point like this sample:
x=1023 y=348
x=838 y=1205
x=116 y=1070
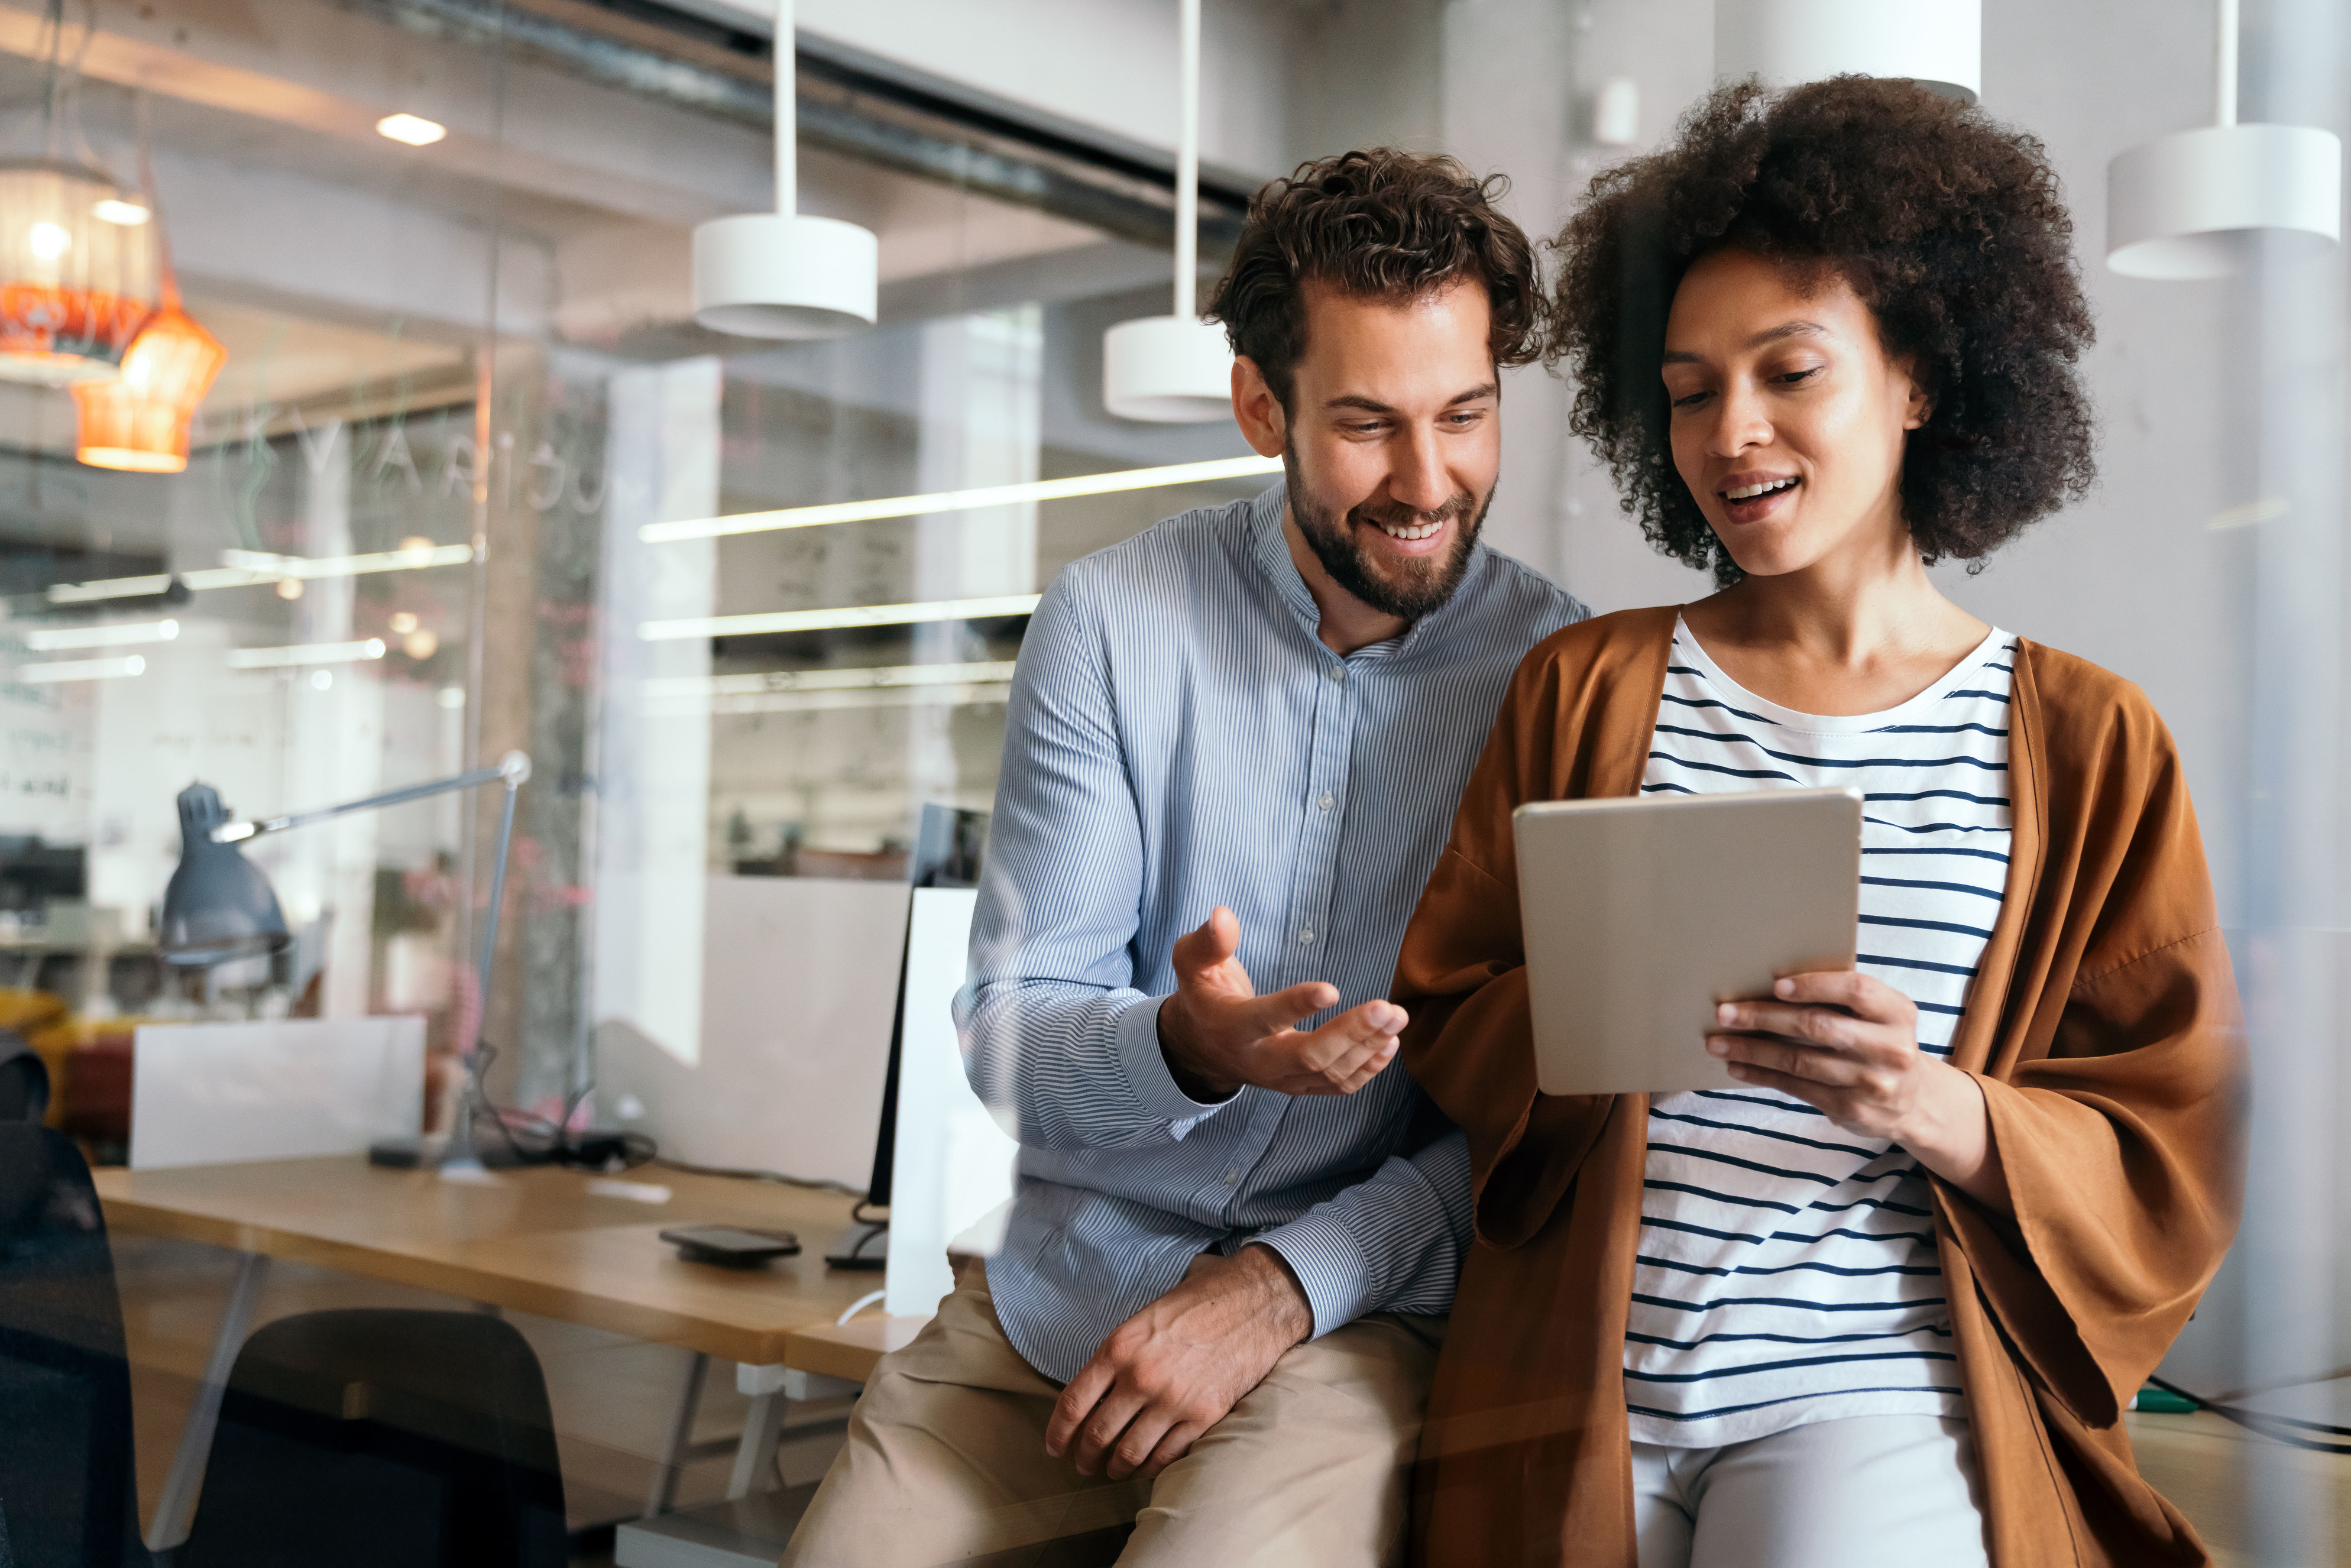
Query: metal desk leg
x=663 y=1492
x=175 y=1509
x=754 y=1456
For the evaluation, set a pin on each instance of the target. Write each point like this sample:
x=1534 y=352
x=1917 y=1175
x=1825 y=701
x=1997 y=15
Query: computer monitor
x=949 y=844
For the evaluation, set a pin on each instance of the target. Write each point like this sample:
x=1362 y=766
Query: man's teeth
x=1748 y=492
x=1411 y=531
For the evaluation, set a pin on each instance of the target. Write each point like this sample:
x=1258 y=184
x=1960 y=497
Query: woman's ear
x=1921 y=407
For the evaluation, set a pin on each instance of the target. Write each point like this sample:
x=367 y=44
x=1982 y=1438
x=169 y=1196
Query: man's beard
x=1419 y=586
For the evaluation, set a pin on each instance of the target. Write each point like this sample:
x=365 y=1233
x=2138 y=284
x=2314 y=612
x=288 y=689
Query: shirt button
x=1337 y=672
x=1328 y=800
x=1307 y=936
x=1232 y=1176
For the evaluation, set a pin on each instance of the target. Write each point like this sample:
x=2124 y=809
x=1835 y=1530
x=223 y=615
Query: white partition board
x=208 y=1093
x=952 y=1180
x=799 y=982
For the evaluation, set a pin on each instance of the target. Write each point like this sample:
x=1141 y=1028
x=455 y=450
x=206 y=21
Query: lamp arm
x=514 y=769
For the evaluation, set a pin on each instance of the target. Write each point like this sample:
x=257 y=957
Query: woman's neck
x=1851 y=635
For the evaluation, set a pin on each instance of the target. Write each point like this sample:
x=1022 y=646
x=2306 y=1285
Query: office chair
x=382 y=1438
x=67 y=1479
x=24 y=1080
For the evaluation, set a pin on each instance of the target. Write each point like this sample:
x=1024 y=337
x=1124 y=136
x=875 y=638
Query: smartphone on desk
x=730 y=1246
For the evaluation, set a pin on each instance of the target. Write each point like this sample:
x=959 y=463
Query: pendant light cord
x=1188 y=170
x=786 y=55
x=2224 y=65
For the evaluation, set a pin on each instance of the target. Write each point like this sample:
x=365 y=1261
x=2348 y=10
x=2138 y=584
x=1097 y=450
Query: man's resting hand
x=1176 y=1368
x=1217 y=1034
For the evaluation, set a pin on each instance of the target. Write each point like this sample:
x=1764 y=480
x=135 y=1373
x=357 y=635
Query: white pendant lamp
x=1175 y=370
x=2193 y=205
x=1939 y=44
x=781 y=274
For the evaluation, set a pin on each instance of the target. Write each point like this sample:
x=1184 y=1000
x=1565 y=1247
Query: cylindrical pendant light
x=1939 y=44
x=2194 y=203
x=781 y=274
x=1175 y=370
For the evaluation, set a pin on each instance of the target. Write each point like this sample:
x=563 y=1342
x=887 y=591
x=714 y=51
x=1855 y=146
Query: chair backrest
x=67 y=1479
x=382 y=1438
x=24 y=1080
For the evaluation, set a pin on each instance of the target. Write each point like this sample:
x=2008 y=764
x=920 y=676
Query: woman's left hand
x=1848 y=1044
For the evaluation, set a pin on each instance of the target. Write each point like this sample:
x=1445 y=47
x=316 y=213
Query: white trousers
x=1860 y=1493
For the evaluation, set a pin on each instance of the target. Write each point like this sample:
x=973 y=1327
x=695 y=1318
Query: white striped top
x=1787 y=1270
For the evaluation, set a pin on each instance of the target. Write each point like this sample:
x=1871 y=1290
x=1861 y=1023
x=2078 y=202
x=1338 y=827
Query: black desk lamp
x=219 y=906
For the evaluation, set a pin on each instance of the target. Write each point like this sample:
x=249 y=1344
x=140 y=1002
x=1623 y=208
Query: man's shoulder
x=1506 y=590
x=1206 y=538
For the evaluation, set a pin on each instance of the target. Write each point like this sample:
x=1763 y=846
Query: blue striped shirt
x=1179 y=739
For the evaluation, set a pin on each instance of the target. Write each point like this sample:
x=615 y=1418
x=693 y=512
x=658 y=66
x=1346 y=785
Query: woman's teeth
x=1413 y=531
x=1748 y=492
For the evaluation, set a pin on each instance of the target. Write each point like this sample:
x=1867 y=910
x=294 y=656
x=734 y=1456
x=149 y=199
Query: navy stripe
x=1750 y=1370
x=1767 y=1403
x=1929 y=925
x=1914 y=963
x=1935 y=850
x=1798 y=1303
x=1740 y=1199
x=1937 y=1330
x=1940 y=730
x=1839 y=1270
x=1992 y=893
x=1715 y=767
x=1656 y=1116
x=1938 y=795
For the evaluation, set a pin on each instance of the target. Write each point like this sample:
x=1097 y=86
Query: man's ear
x=1264 y=425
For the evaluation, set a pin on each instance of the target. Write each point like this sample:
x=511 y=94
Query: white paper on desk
x=208 y=1093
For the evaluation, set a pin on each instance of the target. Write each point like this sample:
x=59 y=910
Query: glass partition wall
x=469 y=480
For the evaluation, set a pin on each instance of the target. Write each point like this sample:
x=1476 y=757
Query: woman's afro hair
x=1951 y=228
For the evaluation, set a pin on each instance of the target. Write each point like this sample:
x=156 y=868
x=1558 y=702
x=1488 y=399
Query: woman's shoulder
x=2079 y=697
x=1603 y=642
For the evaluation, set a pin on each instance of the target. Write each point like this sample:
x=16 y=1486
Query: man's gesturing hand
x=1217 y=1034
x=1176 y=1368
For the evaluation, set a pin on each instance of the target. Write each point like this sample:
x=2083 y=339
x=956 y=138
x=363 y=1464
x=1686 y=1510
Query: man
x=1234 y=751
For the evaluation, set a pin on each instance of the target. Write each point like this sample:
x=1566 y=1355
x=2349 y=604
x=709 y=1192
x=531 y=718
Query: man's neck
x=1346 y=623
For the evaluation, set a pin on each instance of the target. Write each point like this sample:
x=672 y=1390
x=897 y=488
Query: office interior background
x=462 y=379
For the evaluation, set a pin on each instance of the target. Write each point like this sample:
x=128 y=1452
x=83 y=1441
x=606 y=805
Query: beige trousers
x=946 y=1461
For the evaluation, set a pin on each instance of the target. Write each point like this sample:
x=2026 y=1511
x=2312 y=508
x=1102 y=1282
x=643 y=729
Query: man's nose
x=1417 y=477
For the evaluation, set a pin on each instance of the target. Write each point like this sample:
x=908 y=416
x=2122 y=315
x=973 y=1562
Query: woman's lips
x=1755 y=509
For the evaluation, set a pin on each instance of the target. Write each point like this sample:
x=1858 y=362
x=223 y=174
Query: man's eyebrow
x=1372 y=405
x=1785 y=330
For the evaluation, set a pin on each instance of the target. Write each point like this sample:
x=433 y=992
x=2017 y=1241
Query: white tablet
x=1642 y=914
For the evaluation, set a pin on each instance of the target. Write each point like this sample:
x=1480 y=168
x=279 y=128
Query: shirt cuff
x=1147 y=1072
x=1328 y=1263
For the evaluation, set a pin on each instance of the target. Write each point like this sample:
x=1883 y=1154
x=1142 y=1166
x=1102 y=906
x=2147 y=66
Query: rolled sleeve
x=1147 y=1073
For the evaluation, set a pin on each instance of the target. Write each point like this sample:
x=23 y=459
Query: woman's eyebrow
x=1771 y=335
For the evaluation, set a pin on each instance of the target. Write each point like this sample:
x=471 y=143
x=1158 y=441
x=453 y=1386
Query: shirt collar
x=1272 y=551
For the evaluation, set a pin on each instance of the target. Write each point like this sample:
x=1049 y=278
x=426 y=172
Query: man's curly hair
x=1949 y=227
x=1384 y=225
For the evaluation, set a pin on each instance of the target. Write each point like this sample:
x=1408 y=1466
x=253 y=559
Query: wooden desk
x=552 y=1242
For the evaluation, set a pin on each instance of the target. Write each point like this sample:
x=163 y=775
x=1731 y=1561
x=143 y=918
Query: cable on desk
x=2259 y=1422
x=814 y=1184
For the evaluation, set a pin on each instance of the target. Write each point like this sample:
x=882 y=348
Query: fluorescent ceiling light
x=826 y=620
x=304 y=653
x=961 y=500
x=259 y=564
x=52 y=640
x=969 y=694
x=247 y=568
x=127 y=214
x=412 y=129
x=81 y=670
x=870 y=679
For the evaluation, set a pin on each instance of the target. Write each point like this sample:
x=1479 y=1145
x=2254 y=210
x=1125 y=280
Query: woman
x=1885 y=1300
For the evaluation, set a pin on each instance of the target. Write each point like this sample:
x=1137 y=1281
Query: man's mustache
x=1463 y=505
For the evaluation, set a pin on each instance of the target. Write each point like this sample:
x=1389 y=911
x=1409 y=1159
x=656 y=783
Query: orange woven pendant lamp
x=140 y=420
